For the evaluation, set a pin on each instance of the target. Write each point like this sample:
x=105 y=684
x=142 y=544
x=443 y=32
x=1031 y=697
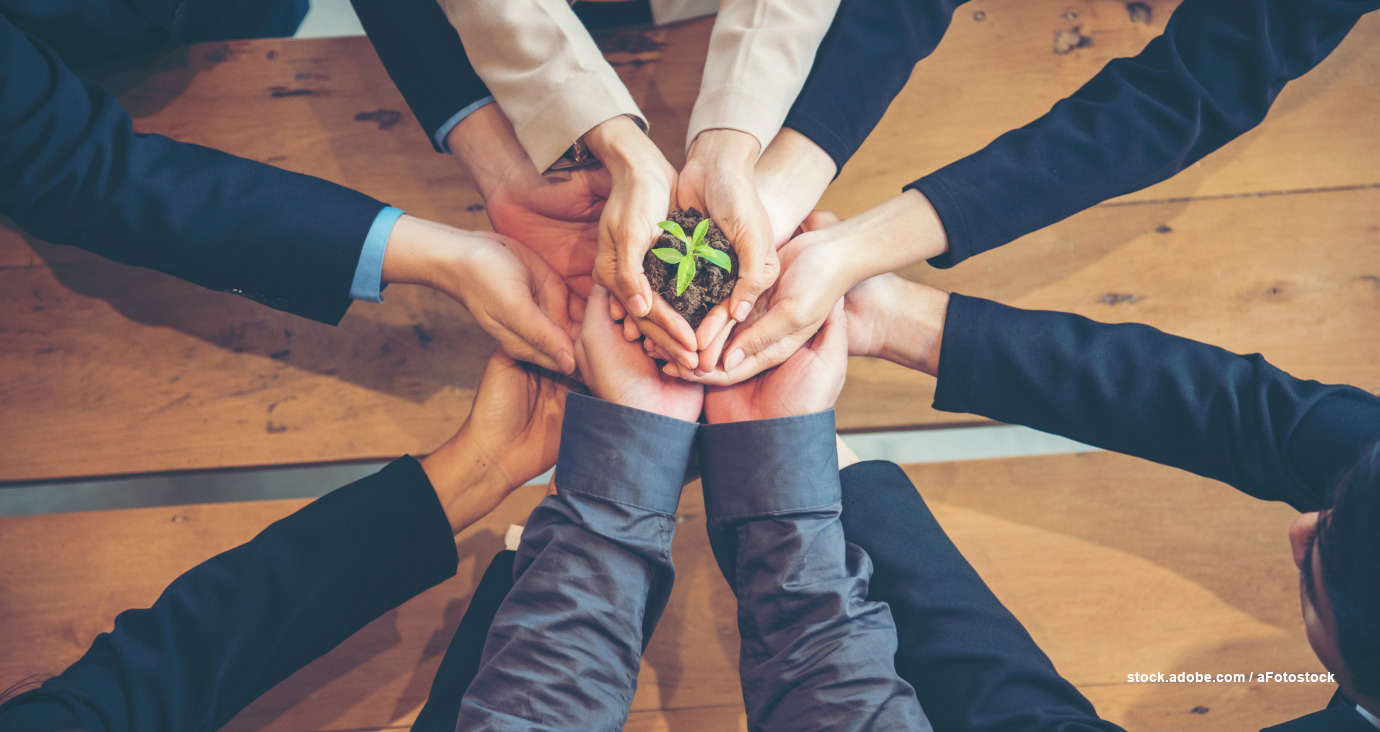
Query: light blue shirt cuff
x=368 y=282
x=457 y=118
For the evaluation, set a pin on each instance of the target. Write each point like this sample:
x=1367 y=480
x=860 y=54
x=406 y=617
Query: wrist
x=915 y=329
x=793 y=165
x=467 y=483
x=621 y=145
x=724 y=148
x=411 y=255
x=487 y=148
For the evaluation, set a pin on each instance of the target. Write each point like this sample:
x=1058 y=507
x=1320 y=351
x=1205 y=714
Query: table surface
x=1114 y=565
x=1269 y=245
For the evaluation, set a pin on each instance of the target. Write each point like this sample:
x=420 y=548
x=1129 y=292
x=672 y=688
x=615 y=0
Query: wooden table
x=1114 y=565
x=1268 y=245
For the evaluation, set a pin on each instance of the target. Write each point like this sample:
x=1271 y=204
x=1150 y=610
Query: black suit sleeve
x=1136 y=390
x=862 y=64
x=72 y=171
x=1210 y=77
x=424 y=56
x=240 y=622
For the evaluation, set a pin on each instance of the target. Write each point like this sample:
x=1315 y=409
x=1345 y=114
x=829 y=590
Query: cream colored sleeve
x=543 y=69
x=760 y=52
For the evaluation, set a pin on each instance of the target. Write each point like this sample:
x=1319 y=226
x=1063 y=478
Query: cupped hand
x=511 y=436
x=813 y=280
x=556 y=215
x=718 y=181
x=807 y=382
x=619 y=371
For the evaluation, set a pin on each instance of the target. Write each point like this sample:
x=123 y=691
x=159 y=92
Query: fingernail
x=566 y=362
x=734 y=358
x=740 y=313
x=638 y=305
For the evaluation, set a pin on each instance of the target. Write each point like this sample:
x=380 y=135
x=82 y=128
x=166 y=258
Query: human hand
x=807 y=382
x=511 y=292
x=555 y=214
x=791 y=176
x=898 y=320
x=511 y=436
x=718 y=181
x=643 y=188
x=618 y=371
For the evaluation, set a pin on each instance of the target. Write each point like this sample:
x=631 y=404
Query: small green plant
x=694 y=247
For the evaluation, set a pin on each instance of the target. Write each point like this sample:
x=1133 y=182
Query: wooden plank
x=1115 y=566
x=106 y=369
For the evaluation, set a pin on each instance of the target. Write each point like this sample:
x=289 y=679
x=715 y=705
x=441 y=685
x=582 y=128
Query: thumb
x=758 y=270
x=766 y=343
x=819 y=220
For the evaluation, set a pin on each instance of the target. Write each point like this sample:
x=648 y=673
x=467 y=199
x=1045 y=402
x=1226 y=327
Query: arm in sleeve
x=838 y=107
x=73 y=171
x=592 y=576
x=760 y=52
x=815 y=653
x=544 y=70
x=426 y=61
x=1210 y=77
x=1136 y=390
x=235 y=625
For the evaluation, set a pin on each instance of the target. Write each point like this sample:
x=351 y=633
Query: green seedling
x=694 y=247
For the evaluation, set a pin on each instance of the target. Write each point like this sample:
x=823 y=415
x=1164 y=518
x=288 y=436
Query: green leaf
x=668 y=255
x=700 y=230
x=684 y=275
x=674 y=229
x=716 y=256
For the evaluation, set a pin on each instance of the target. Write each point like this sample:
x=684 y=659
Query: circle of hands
x=566 y=291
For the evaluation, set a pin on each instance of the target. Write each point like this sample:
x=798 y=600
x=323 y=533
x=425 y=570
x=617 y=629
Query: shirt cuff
x=756 y=112
x=770 y=466
x=368 y=283
x=443 y=131
x=624 y=455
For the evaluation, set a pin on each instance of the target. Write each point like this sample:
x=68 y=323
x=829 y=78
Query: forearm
x=544 y=69
x=237 y=624
x=792 y=175
x=760 y=52
x=811 y=644
x=72 y=171
x=592 y=576
x=1212 y=76
x=838 y=108
x=1136 y=390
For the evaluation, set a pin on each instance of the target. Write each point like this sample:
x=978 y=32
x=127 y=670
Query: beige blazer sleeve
x=544 y=71
x=760 y=52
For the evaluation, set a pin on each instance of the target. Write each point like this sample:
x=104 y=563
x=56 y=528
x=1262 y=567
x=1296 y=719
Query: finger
x=669 y=346
x=758 y=270
x=544 y=337
x=616 y=310
x=709 y=357
x=630 y=329
x=629 y=280
x=832 y=339
x=767 y=342
x=577 y=309
x=818 y=220
x=713 y=325
x=673 y=325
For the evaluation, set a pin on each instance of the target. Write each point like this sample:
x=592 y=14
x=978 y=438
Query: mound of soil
x=712 y=284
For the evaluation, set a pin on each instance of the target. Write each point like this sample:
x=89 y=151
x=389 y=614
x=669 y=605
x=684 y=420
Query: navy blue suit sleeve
x=1210 y=77
x=1136 y=390
x=424 y=56
x=73 y=171
x=862 y=64
x=237 y=624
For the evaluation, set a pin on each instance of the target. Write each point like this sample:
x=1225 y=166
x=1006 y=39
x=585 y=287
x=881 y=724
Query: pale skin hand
x=718 y=181
x=512 y=294
x=618 y=371
x=511 y=436
x=819 y=266
x=643 y=189
x=555 y=214
x=807 y=382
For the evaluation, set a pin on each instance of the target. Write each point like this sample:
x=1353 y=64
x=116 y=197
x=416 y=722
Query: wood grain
x=1115 y=566
x=106 y=369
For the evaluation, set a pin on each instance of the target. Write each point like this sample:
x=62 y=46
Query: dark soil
x=712 y=283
